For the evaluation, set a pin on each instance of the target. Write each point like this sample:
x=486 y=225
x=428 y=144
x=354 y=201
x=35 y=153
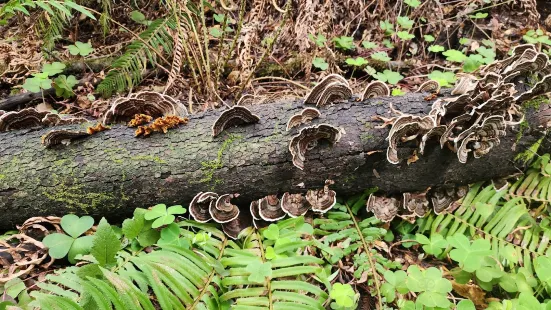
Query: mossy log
x=112 y=172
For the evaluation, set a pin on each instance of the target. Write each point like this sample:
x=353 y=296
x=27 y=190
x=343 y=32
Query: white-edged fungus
x=235 y=116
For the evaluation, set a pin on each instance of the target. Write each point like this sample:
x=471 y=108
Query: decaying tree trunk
x=112 y=172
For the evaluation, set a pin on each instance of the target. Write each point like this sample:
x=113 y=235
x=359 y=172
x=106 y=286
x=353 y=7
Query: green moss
x=366 y=137
x=275 y=132
x=527 y=155
x=522 y=127
x=535 y=103
x=209 y=167
x=152 y=158
x=2 y=176
x=73 y=196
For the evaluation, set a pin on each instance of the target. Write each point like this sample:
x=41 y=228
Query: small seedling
x=320 y=63
x=70 y=244
x=259 y=271
x=162 y=215
x=79 y=48
x=344 y=43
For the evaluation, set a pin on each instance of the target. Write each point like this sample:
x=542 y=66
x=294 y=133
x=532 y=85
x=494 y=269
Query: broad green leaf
x=413 y=3
x=137 y=16
x=58 y=244
x=35 y=84
x=80 y=246
x=389 y=76
x=471 y=63
x=148 y=237
x=469 y=256
x=434 y=246
x=272 y=232
x=132 y=227
x=387 y=26
x=542 y=265
x=405 y=22
x=429 y=38
x=64 y=86
x=320 y=63
x=344 y=42
x=106 y=245
x=369 y=45
x=466 y=304
x=454 y=55
x=489 y=270
x=79 y=8
x=436 y=48
x=443 y=78
x=404 y=35
x=381 y=56
x=488 y=54
x=259 y=271
x=479 y=15
x=155 y=212
x=343 y=294
x=75 y=226
x=216 y=32
x=176 y=210
x=80 y=48
x=13 y=287
x=319 y=40
x=53 y=68
x=357 y=62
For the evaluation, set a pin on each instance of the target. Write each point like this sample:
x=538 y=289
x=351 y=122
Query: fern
x=127 y=70
x=287 y=287
x=510 y=219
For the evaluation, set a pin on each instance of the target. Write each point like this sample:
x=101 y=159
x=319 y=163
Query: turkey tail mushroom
x=237 y=115
x=375 y=89
x=430 y=86
x=314 y=96
x=270 y=209
x=235 y=226
x=334 y=92
x=149 y=103
x=23 y=119
x=322 y=200
x=384 y=208
x=200 y=205
x=56 y=137
x=303 y=117
x=294 y=205
x=307 y=138
x=222 y=210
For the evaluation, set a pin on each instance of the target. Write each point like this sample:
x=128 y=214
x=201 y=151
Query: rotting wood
x=112 y=172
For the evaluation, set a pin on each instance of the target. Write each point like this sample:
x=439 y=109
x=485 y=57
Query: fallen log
x=112 y=172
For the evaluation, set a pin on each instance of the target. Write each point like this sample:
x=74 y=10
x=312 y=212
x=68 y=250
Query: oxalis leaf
x=434 y=245
x=430 y=284
x=469 y=256
x=58 y=244
x=162 y=215
x=106 y=244
x=259 y=271
x=75 y=226
x=343 y=294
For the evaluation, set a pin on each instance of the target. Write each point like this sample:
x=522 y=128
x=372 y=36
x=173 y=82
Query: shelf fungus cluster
x=375 y=89
x=333 y=88
x=235 y=116
x=62 y=136
x=308 y=138
x=31 y=118
x=305 y=116
x=149 y=103
x=207 y=206
x=474 y=120
x=412 y=205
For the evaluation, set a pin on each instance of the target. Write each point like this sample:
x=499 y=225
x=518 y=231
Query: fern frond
x=127 y=70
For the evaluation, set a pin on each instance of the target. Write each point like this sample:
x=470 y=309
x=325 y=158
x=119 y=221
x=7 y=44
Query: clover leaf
x=272 y=232
x=80 y=48
x=489 y=270
x=405 y=22
x=38 y=82
x=434 y=245
x=430 y=284
x=469 y=255
x=428 y=38
x=64 y=86
x=59 y=245
x=387 y=26
x=343 y=294
x=369 y=45
x=320 y=63
x=395 y=281
x=356 y=62
x=381 y=56
x=53 y=68
x=466 y=304
x=443 y=78
x=389 y=76
x=162 y=215
x=259 y=271
x=397 y=92
x=319 y=40
x=404 y=35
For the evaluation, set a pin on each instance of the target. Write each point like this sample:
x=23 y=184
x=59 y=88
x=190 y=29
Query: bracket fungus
x=23 y=119
x=303 y=117
x=294 y=205
x=61 y=136
x=247 y=99
x=235 y=226
x=407 y=128
x=384 y=208
x=444 y=199
x=483 y=107
x=270 y=209
x=416 y=203
x=258 y=222
x=147 y=102
x=222 y=210
x=200 y=204
x=334 y=92
x=315 y=95
x=322 y=200
x=308 y=137
x=430 y=86
x=237 y=115
x=375 y=89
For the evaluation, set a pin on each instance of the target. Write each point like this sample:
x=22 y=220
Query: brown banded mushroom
x=307 y=136
x=294 y=205
x=222 y=210
x=407 y=131
x=150 y=103
x=56 y=137
x=23 y=119
x=430 y=86
x=258 y=222
x=235 y=116
x=50 y=119
x=435 y=132
x=500 y=184
x=445 y=199
x=416 y=203
x=384 y=208
x=322 y=200
x=247 y=99
x=234 y=227
x=334 y=92
x=375 y=89
x=314 y=96
x=303 y=117
x=200 y=204
x=269 y=209
x=466 y=85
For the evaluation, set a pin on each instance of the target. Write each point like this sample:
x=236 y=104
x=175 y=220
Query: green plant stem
x=368 y=253
x=269 y=281
x=234 y=42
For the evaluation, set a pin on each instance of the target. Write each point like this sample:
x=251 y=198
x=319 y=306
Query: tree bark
x=112 y=172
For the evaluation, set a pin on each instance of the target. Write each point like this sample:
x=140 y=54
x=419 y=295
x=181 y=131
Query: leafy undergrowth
x=491 y=252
